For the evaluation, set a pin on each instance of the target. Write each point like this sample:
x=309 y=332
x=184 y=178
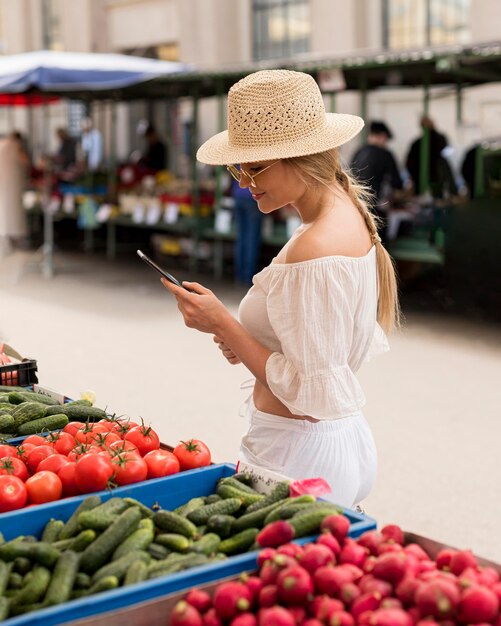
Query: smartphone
x=165 y=274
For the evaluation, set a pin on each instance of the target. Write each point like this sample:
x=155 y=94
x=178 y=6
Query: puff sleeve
x=322 y=314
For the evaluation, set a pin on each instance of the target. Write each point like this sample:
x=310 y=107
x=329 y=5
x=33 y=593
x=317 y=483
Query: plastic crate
x=19 y=374
x=168 y=492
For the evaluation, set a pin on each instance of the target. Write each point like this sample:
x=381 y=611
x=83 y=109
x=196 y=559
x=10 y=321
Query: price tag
x=263 y=480
x=50 y=393
x=171 y=213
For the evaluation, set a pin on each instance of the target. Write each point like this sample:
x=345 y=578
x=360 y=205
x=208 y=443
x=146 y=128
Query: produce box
x=169 y=493
x=156 y=612
x=15 y=370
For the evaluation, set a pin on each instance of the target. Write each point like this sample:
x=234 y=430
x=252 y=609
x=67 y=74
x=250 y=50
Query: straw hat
x=277 y=114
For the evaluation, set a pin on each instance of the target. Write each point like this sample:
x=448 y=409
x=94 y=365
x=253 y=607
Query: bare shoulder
x=336 y=236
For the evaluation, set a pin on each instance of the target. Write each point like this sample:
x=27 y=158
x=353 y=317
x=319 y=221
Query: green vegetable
x=223 y=507
x=71 y=527
x=208 y=544
x=228 y=491
x=191 y=505
x=102 y=516
x=140 y=539
x=308 y=522
x=173 y=541
x=171 y=565
x=145 y=511
x=275 y=514
x=27 y=412
x=52 y=530
x=240 y=542
x=35 y=589
x=63 y=578
x=237 y=484
x=174 y=523
x=52 y=422
x=221 y=525
x=119 y=567
x=5 y=570
x=78 y=412
x=41 y=552
x=18 y=397
x=137 y=573
x=103 y=584
x=82 y=581
x=279 y=492
x=4 y=608
x=256 y=518
x=7 y=423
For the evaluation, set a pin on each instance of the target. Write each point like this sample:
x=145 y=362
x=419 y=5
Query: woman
x=311 y=317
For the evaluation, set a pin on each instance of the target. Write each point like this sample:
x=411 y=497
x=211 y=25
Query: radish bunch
x=375 y=580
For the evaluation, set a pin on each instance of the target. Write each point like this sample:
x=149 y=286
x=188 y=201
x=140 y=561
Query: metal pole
x=424 y=153
x=48 y=224
x=195 y=190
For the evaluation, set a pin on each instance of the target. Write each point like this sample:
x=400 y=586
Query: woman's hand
x=228 y=353
x=199 y=307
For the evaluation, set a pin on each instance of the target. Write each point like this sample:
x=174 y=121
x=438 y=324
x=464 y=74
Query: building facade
x=215 y=33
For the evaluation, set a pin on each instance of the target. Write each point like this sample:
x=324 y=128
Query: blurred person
x=155 y=156
x=248 y=223
x=66 y=154
x=312 y=316
x=15 y=164
x=92 y=146
x=440 y=176
x=375 y=166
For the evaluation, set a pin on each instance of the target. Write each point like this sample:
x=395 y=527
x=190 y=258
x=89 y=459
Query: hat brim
x=339 y=129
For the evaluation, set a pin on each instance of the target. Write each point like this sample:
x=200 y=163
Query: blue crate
x=168 y=492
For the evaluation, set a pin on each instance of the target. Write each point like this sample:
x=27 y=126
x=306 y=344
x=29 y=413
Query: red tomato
x=161 y=463
x=67 y=474
x=109 y=423
x=122 y=445
x=192 y=453
x=64 y=443
x=88 y=432
x=104 y=440
x=23 y=450
x=12 y=466
x=13 y=493
x=52 y=463
x=144 y=438
x=37 y=454
x=37 y=440
x=44 y=487
x=129 y=468
x=124 y=425
x=6 y=450
x=93 y=472
x=72 y=427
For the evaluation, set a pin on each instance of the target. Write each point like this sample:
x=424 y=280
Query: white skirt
x=341 y=451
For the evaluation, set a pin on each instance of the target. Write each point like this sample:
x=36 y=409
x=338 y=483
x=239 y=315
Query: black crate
x=19 y=374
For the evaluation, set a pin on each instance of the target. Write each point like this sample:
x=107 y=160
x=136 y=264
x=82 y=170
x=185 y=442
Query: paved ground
x=433 y=401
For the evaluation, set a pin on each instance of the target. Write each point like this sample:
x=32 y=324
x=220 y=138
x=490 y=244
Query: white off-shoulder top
x=318 y=317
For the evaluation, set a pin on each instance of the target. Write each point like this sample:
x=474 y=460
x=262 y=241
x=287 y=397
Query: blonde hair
x=326 y=169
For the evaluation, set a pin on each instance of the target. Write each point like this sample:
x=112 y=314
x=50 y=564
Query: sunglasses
x=236 y=171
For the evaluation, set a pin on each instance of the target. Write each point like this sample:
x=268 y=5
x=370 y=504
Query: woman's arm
x=202 y=311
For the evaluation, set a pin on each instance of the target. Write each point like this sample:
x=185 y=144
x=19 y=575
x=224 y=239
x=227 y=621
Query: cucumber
x=208 y=544
x=100 y=550
x=18 y=397
x=78 y=412
x=279 y=492
x=213 y=497
x=240 y=542
x=224 y=507
x=5 y=570
x=43 y=424
x=174 y=523
x=228 y=491
x=52 y=530
x=308 y=522
x=140 y=539
x=41 y=552
x=119 y=567
x=170 y=566
x=103 y=584
x=173 y=541
x=191 y=505
x=145 y=510
x=35 y=589
x=4 y=608
x=137 y=573
x=27 y=412
x=22 y=565
x=82 y=540
x=15 y=581
x=10 y=388
x=157 y=551
x=7 y=423
x=63 y=578
x=237 y=484
x=82 y=581
x=275 y=514
x=221 y=524
x=256 y=518
x=71 y=527
x=82 y=401
x=6 y=407
x=102 y=516
x=244 y=477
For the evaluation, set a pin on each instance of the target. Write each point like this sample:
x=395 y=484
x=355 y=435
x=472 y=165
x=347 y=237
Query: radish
x=253 y=583
x=391 y=603
x=200 y=599
x=338 y=525
x=295 y=585
x=275 y=534
x=392 y=532
x=488 y=576
x=291 y=549
x=390 y=617
x=329 y=580
x=231 y=598
x=496 y=588
x=328 y=539
x=322 y=607
x=211 y=618
x=298 y=613
x=366 y=602
x=417 y=551
x=437 y=598
x=270 y=569
x=185 y=614
x=461 y=560
x=353 y=553
x=312 y=621
x=348 y=593
x=355 y=572
x=371 y=540
x=443 y=558
x=478 y=604
x=244 y=619
x=389 y=546
x=314 y=556
x=390 y=566
x=268 y=596
x=341 y=618
x=275 y=616
x=406 y=589
x=428 y=621
x=265 y=555
x=468 y=576
x=369 y=583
